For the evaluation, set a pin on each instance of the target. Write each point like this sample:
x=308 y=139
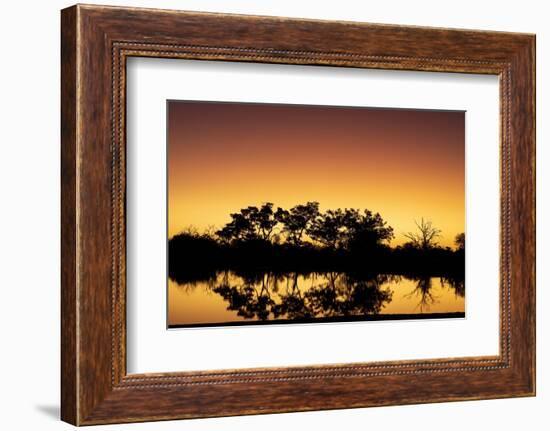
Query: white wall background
x=29 y=214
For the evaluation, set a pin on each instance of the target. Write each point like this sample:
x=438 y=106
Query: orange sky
x=404 y=164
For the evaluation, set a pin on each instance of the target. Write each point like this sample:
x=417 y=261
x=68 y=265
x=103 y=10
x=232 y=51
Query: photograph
x=281 y=213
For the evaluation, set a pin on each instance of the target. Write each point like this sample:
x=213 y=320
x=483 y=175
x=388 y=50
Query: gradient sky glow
x=404 y=164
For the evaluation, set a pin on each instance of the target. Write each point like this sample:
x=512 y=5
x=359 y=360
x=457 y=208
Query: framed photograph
x=263 y=214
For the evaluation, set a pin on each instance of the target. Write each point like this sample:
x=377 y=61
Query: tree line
x=305 y=224
x=332 y=228
x=305 y=239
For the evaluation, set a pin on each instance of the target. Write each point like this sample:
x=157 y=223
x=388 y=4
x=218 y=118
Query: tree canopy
x=251 y=223
x=305 y=224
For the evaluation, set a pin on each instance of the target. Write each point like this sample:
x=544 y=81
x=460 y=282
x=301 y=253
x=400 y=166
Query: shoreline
x=340 y=319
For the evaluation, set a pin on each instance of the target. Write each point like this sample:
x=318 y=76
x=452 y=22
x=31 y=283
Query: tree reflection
x=456 y=284
x=330 y=295
x=423 y=290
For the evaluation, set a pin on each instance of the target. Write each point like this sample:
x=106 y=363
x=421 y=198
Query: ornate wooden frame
x=95 y=43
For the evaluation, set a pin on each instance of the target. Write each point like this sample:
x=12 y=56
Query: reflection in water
x=423 y=290
x=279 y=297
x=231 y=298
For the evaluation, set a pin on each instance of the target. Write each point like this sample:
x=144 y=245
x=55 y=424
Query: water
x=230 y=298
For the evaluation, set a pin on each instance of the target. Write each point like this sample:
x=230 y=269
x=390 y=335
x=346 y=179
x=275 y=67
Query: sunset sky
x=404 y=164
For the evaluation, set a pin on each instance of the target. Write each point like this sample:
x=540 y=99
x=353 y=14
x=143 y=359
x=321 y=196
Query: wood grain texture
x=96 y=41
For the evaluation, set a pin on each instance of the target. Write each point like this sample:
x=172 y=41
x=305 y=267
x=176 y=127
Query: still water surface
x=229 y=298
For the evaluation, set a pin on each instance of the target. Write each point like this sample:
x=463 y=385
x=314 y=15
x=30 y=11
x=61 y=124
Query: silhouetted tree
x=425 y=238
x=460 y=241
x=297 y=220
x=250 y=223
x=365 y=231
x=327 y=228
x=265 y=220
x=186 y=252
x=238 y=229
x=350 y=229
